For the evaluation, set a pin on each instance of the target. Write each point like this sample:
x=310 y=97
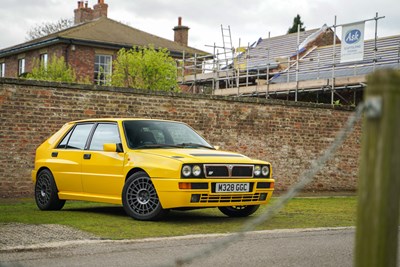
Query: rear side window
x=105 y=133
x=63 y=143
x=77 y=137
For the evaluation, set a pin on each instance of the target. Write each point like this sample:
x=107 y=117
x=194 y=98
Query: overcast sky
x=248 y=20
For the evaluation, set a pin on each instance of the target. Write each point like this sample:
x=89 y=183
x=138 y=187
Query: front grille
x=205 y=198
x=228 y=170
x=242 y=171
x=216 y=171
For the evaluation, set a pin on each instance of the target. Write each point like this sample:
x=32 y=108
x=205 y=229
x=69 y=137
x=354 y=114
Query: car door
x=102 y=171
x=67 y=159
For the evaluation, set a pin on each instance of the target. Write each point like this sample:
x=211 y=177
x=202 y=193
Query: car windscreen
x=156 y=134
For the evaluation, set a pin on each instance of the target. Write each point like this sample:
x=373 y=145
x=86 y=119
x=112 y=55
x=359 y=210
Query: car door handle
x=54 y=154
x=87 y=156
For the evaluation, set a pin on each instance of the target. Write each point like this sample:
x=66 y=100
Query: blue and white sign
x=352 y=42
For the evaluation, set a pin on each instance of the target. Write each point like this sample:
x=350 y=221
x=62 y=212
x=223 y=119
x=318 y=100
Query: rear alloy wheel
x=239 y=211
x=46 y=192
x=140 y=199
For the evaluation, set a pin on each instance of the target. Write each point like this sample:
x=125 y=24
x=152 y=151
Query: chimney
x=181 y=33
x=84 y=13
x=100 y=9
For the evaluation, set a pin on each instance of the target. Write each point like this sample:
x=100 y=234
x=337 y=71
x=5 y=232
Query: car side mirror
x=113 y=147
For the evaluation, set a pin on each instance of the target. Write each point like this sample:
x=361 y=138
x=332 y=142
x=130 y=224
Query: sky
x=248 y=19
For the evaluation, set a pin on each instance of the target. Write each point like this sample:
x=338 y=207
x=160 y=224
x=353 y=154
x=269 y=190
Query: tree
x=56 y=71
x=145 y=68
x=47 y=28
x=297 y=21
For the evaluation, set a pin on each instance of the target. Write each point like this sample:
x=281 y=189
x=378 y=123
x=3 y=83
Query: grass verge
x=110 y=221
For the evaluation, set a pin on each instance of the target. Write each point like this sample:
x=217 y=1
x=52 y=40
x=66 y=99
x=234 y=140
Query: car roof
x=116 y=120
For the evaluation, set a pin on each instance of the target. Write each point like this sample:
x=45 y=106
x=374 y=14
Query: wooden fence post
x=379 y=175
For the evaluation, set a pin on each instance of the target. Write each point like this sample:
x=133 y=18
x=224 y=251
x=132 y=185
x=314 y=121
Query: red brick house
x=90 y=46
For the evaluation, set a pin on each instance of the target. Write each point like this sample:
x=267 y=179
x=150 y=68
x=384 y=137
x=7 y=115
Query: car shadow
x=101 y=210
x=173 y=216
x=199 y=217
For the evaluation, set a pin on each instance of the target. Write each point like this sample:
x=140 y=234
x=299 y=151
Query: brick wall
x=289 y=135
x=30 y=56
x=81 y=58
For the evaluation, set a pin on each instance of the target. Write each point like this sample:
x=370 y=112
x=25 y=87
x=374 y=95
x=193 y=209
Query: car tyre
x=140 y=199
x=46 y=192
x=239 y=211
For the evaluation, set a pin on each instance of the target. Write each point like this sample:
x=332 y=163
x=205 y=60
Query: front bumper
x=201 y=192
x=33 y=175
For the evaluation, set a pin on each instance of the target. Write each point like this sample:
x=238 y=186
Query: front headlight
x=196 y=170
x=265 y=171
x=257 y=170
x=192 y=171
x=186 y=171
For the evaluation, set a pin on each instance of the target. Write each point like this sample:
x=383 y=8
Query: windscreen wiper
x=156 y=146
x=194 y=145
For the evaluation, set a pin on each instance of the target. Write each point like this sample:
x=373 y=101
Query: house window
x=102 y=69
x=3 y=69
x=21 y=66
x=43 y=60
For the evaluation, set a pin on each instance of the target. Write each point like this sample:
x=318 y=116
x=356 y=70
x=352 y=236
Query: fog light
x=263 y=196
x=195 y=198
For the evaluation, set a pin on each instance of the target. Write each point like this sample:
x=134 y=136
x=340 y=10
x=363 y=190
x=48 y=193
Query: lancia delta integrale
x=148 y=166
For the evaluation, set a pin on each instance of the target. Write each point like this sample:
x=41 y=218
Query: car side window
x=64 y=141
x=77 y=137
x=105 y=133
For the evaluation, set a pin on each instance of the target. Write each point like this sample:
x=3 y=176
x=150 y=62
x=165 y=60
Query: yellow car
x=148 y=166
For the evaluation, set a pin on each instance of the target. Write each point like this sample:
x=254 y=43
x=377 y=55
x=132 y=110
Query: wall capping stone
x=77 y=86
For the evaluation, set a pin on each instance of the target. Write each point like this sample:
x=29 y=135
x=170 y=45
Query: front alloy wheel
x=239 y=211
x=140 y=199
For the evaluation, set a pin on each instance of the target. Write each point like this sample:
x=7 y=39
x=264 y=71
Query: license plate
x=232 y=187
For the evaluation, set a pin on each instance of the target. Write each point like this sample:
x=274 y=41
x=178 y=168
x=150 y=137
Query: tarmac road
x=302 y=247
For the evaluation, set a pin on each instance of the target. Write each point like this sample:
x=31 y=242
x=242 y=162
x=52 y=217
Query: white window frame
x=44 y=58
x=2 y=69
x=21 y=66
x=102 y=69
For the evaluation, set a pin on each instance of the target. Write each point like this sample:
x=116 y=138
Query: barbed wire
x=305 y=178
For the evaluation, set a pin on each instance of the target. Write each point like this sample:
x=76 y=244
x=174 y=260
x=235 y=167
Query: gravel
x=17 y=235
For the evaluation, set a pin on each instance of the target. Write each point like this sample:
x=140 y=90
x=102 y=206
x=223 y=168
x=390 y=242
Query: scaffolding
x=260 y=70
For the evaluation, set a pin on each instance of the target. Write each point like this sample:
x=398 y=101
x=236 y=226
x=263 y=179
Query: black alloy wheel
x=46 y=192
x=140 y=199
